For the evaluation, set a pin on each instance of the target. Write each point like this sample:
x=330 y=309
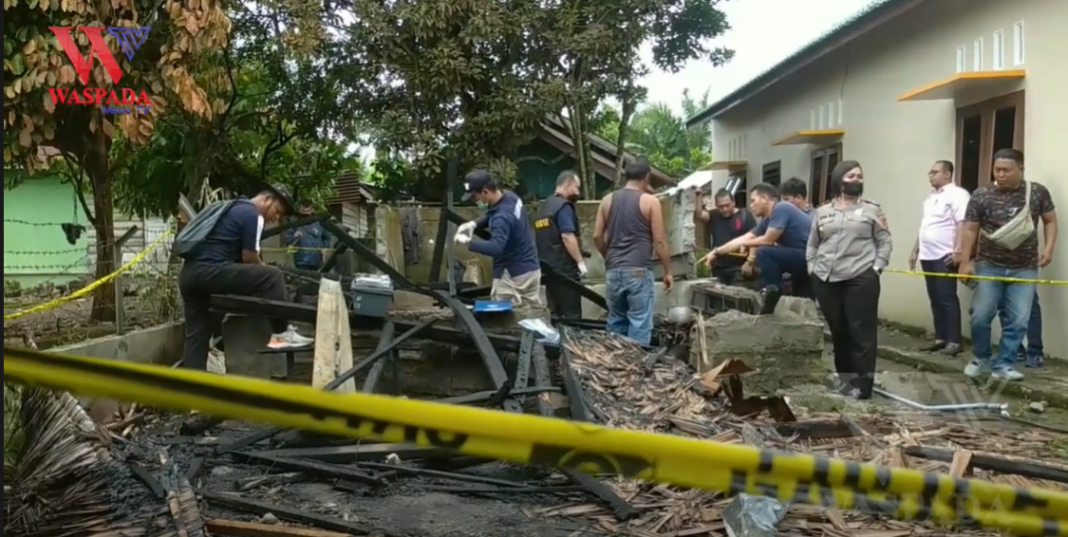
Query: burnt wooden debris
x=593 y=377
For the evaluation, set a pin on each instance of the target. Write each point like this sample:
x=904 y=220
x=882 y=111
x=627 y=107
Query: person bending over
x=516 y=269
x=780 y=239
x=221 y=249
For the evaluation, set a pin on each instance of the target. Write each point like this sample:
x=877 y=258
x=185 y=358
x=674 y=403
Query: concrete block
x=244 y=337
x=735 y=333
x=783 y=349
x=804 y=307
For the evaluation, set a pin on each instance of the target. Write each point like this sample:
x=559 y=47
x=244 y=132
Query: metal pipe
x=998 y=407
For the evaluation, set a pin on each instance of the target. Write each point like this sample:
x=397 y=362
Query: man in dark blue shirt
x=310 y=241
x=516 y=270
x=226 y=260
x=780 y=239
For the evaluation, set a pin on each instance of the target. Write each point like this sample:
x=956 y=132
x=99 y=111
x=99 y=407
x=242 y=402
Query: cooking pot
x=680 y=315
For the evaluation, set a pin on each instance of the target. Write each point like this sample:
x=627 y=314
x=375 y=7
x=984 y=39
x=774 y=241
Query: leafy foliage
x=34 y=62
x=656 y=131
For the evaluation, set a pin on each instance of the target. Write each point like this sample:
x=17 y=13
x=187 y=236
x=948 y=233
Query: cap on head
x=477 y=181
x=284 y=195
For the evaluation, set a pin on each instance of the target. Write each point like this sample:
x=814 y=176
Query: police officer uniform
x=847 y=249
x=563 y=301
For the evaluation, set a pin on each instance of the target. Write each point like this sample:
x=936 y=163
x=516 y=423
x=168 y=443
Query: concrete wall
x=857 y=89
x=159 y=345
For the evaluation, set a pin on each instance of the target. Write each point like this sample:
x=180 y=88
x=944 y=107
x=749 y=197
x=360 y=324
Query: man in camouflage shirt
x=989 y=209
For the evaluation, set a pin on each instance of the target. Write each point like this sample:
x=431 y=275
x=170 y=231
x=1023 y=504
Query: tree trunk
x=629 y=103
x=579 y=141
x=97 y=167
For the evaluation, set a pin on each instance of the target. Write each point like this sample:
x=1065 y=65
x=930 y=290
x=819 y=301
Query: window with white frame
x=962 y=59
x=1018 y=43
x=997 y=46
x=977 y=55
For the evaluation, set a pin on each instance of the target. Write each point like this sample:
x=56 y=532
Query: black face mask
x=853 y=188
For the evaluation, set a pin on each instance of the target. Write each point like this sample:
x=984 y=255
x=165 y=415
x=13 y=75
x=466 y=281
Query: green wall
x=540 y=164
x=39 y=251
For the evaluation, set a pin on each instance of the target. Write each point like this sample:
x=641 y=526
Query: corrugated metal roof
x=800 y=54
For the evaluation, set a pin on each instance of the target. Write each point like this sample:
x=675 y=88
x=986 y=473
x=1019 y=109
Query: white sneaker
x=289 y=339
x=973 y=368
x=1007 y=373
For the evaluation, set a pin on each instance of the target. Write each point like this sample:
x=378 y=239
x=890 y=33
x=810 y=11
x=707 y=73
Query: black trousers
x=727 y=275
x=563 y=300
x=197 y=282
x=945 y=304
x=851 y=308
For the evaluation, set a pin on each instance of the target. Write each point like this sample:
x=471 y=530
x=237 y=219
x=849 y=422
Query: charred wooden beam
x=240 y=503
x=487 y=395
x=146 y=477
x=360 y=453
x=490 y=359
x=522 y=365
x=576 y=395
x=237 y=528
x=386 y=342
x=246 y=305
x=1031 y=469
x=328 y=471
x=333 y=385
x=250 y=483
x=548 y=272
x=194 y=469
x=454 y=476
x=543 y=377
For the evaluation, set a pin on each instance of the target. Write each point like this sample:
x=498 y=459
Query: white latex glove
x=467 y=228
x=583 y=271
x=463 y=238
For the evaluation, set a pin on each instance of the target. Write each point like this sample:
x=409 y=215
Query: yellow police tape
x=972 y=277
x=897 y=492
x=84 y=291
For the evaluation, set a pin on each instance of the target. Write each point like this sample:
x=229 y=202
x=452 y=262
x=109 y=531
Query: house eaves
x=604 y=152
x=872 y=16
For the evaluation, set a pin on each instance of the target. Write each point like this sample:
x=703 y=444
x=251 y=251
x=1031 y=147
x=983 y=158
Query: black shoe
x=952 y=349
x=936 y=346
x=772 y=294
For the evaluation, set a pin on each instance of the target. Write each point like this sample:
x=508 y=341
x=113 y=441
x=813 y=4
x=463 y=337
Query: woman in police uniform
x=848 y=248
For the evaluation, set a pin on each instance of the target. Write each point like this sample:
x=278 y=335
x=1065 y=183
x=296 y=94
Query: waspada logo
x=113 y=100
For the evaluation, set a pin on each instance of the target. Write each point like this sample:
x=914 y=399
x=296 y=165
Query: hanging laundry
x=73 y=232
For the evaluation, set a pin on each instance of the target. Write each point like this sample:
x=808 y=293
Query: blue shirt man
x=780 y=240
x=516 y=269
x=311 y=240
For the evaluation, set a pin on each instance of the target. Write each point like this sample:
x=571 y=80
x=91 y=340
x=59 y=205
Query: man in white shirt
x=936 y=246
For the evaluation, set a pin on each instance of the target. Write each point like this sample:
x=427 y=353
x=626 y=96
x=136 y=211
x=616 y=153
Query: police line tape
x=85 y=291
x=897 y=492
x=973 y=277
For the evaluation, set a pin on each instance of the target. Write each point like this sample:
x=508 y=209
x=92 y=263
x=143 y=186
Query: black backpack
x=196 y=231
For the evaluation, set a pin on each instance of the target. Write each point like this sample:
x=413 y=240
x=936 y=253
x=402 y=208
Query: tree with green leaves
x=656 y=131
x=593 y=48
x=163 y=68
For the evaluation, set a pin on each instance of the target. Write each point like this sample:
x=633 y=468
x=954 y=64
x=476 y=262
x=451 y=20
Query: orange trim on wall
x=808 y=137
x=947 y=88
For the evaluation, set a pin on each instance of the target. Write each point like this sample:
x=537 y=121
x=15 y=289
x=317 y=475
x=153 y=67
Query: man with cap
x=221 y=248
x=516 y=269
x=310 y=241
x=556 y=232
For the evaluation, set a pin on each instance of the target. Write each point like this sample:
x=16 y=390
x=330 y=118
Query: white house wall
x=896 y=142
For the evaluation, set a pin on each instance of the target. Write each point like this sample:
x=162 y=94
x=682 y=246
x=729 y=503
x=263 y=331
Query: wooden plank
x=333 y=341
x=237 y=528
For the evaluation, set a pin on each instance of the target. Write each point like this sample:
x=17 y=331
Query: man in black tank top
x=629 y=227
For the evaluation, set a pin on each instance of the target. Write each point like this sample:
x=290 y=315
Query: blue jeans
x=1035 y=349
x=774 y=261
x=1014 y=299
x=630 y=297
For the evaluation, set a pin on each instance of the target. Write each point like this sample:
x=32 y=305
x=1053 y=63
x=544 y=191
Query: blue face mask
x=482 y=205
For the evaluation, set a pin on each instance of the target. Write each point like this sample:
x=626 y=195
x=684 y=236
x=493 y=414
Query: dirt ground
x=69 y=323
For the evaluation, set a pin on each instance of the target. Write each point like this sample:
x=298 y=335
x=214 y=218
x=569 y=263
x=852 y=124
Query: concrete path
x=1049 y=383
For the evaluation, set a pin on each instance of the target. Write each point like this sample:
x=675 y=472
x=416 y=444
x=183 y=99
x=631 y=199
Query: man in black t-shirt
x=726 y=223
